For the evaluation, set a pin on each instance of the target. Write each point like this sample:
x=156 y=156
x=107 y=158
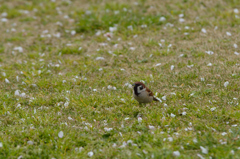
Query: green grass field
x=66 y=69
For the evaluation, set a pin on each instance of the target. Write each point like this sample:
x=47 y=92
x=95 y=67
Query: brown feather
x=140 y=84
x=150 y=92
x=147 y=89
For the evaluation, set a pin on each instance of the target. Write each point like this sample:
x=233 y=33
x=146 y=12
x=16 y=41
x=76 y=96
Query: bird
x=143 y=94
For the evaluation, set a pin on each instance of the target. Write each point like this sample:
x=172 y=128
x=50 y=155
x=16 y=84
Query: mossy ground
x=60 y=61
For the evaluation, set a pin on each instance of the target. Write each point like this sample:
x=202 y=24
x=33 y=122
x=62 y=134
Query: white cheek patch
x=139 y=90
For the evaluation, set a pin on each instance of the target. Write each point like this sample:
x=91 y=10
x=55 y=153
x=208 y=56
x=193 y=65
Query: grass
x=60 y=62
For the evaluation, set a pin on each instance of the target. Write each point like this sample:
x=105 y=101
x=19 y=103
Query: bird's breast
x=143 y=97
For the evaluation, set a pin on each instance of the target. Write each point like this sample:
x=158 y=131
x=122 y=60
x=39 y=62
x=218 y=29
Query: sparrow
x=142 y=94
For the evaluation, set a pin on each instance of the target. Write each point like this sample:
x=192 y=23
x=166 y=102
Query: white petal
x=228 y=34
x=201 y=157
x=30 y=143
x=4 y=19
x=181 y=20
x=135 y=36
x=17 y=93
x=122 y=99
x=236 y=53
x=176 y=153
x=204 y=150
x=210 y=64
x=4 y=14
x=195 y=140
x=164 y=98
x=57 y=35
x=6 y=80
x=209 y=52
x=23 y=95
x=108 y=129
x=181 y=55
x=190 y=66
x=172 y=115
x=66 y=104
x=226 y=84
x=60 y=134
x=181 y=15
x=20 y=157
x=73 y=32
x=88 y=12
x=159 y=99
x=184 y=113
x=98 y=33
x=144 y=26
x=139 y=119
x=170 y=139
x=130 y=27
x=18 y=48
x=99 y=58
x=162 y=19
x=112 y=29
x=235 y=11
x=90 y=154
x=132 y=48
x=212 y=109
x=204 y=30
x=151 y=127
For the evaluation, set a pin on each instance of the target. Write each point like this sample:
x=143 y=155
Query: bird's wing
x=149 y=92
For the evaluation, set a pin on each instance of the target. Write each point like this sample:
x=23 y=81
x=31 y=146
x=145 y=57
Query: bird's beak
x=133 y=84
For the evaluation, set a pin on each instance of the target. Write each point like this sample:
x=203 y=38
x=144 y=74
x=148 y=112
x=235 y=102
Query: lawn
x=66 y=69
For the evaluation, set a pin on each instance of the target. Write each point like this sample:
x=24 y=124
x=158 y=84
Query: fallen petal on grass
x=204 y=150
x=226 y=84
x=60 y=134
x=176 y=153
x=90 y=154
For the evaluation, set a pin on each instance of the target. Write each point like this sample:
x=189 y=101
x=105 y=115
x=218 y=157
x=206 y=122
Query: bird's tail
x=157 y=99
